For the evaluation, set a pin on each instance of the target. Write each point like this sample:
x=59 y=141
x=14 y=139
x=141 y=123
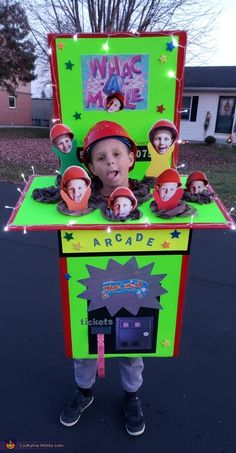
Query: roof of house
x=210 y=77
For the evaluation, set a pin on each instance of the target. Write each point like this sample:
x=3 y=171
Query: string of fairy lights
x=106 y=45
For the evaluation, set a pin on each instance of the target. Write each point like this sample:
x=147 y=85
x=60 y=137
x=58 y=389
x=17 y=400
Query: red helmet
x=60 y=129
x=196 y=176
x=169 y=175
x=106 y=129
x=122 y=192
x=75 y=172
x=118 y=96
x=163 y=124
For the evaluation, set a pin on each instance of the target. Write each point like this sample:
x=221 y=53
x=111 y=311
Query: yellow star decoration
x=165 y=343
x=165 y=245
x=163 y=58
x=77 y=246
x=60 y=45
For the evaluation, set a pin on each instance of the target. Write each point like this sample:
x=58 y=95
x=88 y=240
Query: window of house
x=225 y=114
x=189 y=108
x=12 y=102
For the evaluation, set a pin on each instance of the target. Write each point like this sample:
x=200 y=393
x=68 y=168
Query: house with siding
x=209 y=103
x=16 y=110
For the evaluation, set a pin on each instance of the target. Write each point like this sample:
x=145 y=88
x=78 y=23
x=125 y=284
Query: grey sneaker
x=135 y=424
x=74 y=408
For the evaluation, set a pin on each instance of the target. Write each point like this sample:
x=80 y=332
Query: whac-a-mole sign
x=123 y=276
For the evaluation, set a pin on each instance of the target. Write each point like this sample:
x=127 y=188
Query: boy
x=114 y=102
x=122 y=202
x=167 y=195
x=167 y=192
x=75 y=190
x=61 y=137
x=109 y=153
x=162 y=135
x=122 y=205
x=196 y=182
x=196 y=188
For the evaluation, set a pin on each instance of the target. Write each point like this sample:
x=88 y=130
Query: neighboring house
x=42 y=110
x=16 y=110
x=209 y=91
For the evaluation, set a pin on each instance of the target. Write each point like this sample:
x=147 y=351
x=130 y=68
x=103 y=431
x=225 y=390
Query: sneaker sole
x=74 y=423
x=136 y=433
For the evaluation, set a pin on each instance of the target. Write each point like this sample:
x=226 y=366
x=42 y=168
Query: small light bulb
x=75 y=37
x=23 y=177
x=108 y=229
x=171 y=74
x=175 y=42
x=49 y=51
x=105 y=46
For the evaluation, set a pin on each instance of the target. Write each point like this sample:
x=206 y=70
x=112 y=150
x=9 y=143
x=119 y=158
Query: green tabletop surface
x=30 y=214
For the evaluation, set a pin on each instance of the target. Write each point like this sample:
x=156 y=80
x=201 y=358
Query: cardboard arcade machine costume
x=122 y=280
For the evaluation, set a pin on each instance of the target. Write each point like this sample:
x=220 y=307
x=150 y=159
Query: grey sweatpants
x=130 y=372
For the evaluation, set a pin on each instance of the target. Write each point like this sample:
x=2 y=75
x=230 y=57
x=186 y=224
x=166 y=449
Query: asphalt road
x=188 y=402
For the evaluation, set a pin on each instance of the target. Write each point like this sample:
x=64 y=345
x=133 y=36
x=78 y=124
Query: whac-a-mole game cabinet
x=122 y=283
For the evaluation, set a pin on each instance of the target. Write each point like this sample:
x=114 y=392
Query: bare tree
x=197 y=17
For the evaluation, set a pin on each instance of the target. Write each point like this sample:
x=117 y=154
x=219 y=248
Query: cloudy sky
x=224 y=53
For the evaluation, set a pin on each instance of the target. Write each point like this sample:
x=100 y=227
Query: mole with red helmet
x=122 y=205
x=196 y=188
x=75 y=191
x=114 y=102
x=64 y=146
x=61 y=137
x=162 y=135
x=167 y=196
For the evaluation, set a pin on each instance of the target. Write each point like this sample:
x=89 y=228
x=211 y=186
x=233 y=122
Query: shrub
x=209 y=140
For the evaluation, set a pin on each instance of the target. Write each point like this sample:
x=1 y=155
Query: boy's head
x=109 y=153
x=75 y=182
x=167 y=183
x=196 y=182
x=114 y=102
x=122 y=201
x=162 y=135
x=61 y=137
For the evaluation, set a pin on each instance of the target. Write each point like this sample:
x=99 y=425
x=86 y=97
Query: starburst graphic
x=122 y=286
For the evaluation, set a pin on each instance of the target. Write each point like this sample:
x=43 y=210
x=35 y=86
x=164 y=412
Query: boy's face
x=162 y=140
x=63 y=143
x=114 y=105
x=197 y=186
x=167 y=190
x=110 y=161
x=122 y=206
x=76 y=188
